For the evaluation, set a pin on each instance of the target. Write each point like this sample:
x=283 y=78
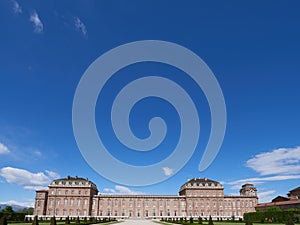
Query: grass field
x=57 y=222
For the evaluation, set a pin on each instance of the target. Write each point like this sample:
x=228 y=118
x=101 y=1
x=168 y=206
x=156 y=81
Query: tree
x=210 y=221
x=199 y=220
x=289 y=221
x=3 y=221
x=273 y=209
x=8 y=209
x=35 y=221
x=67 y=220
x=53 y=220
x=191 y=220
x=77 y=220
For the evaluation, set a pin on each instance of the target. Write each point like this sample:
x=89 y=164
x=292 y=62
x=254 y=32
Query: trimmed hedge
x=277 y=216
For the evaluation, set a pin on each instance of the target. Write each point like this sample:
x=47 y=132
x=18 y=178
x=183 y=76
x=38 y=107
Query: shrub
x=200 y=220
x=248 y=221
x=35 y=221
x=53 y=221
x=191 y=220
x=289 y=221
x=67 y=220
x=3 y=220
x=210 y=221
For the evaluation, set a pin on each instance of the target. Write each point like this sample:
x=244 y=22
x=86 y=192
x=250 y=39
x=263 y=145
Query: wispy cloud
x=277 y=165
x=80 y=26
x=282 y=161
x=167 y=171
x=259 y=180
x=26 y=179
x=266 y=196
x=118 y=189
x=37 y=23
x=3 y=149
x=16 y=7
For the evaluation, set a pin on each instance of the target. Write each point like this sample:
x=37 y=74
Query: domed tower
x=248 y=190
x=201 y=187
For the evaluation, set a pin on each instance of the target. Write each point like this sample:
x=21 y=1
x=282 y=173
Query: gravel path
x=137 y=222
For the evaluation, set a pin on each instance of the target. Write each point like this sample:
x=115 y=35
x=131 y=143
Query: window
x=100 y=213
x=84 y=212
x=153 y=212
x=78 y=202
x=71 y=202
x=123 y=212
x=71 y=212
x=79 y=192
x=51 y=202
x=65 y=202
x=64 y=212
x=66 y=192
x=58 y=192
x=77 y=212
x=85 y=202
x=116 y=213
x=56 y=212
x=38 y=204
x=58 y=202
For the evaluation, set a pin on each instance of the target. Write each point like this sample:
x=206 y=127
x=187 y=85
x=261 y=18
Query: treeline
x=273 y=214
x=11 y=215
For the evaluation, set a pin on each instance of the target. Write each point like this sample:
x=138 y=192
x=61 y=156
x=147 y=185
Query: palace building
x=74 y=196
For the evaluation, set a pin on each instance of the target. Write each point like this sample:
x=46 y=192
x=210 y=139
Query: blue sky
x=252 y=47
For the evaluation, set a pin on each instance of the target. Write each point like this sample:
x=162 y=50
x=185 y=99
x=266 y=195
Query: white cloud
x=167 y=171
x=23 y=204
x=3 y=149
x=118 y=189
x=282 y=161
x=266 y=196
x=37 y=23
x=27 y=179
x=109 y=190
x=16 y=7
x=37 y=153
x=80 y=26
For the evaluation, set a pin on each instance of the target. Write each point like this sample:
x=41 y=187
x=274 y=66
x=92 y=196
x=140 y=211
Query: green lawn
x=57 y=222
x=229 y=223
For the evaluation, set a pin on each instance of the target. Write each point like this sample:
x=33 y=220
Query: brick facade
x=73 y=196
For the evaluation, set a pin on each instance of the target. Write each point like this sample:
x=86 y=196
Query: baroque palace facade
x=74 y=196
